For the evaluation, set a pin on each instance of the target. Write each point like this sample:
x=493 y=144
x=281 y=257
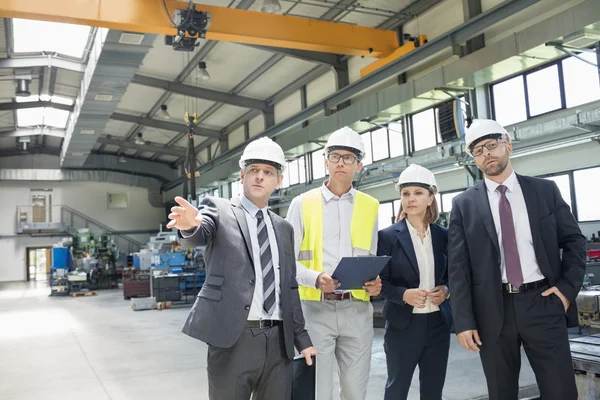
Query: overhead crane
x=184 y=23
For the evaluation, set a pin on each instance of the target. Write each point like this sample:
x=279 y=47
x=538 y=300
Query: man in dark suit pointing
x=248 y=310
x=510 y=284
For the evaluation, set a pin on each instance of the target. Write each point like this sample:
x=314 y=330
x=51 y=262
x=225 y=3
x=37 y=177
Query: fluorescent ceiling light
x=37 y=36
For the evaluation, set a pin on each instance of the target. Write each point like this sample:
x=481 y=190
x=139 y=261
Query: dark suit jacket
x=474 y=254
x=221 y=309
x=402 y=271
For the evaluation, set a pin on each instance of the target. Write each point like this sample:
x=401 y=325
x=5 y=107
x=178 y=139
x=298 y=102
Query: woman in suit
x=415 y=289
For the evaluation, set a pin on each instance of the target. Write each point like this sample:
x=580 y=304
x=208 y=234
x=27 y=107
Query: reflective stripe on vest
x=364 y=216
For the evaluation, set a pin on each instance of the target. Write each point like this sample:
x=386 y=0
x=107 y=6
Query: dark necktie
x=514 y=274
x=266 y=262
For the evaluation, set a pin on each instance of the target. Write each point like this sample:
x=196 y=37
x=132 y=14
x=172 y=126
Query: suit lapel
x=407 y=246
x=483 y=206
x=238 y=211
x=531 y=202
x=279 y=237
x=437 y=241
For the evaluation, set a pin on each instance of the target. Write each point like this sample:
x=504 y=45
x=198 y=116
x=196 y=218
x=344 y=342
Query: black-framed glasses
x=335 y=158
x=491 y=145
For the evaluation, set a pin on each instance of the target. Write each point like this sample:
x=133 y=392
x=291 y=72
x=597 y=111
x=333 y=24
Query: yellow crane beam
x=226 y=24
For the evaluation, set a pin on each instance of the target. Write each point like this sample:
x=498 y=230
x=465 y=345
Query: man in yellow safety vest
x=331 y=222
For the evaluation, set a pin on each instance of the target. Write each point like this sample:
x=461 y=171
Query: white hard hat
x=263 y=151
x=346 y=139
x=416 y=175
x=481 y=128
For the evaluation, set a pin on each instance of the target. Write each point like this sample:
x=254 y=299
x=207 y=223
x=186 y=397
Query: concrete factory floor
x=97 y=348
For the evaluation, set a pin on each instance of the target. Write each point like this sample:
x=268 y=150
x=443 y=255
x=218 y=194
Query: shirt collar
x=251 y=208
x=510 y=183
x=328 y=195
x=412 y=229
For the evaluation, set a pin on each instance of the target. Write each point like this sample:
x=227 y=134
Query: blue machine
x=166 y=260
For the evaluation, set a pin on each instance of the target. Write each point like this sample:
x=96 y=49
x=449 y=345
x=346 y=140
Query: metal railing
x=70 y=221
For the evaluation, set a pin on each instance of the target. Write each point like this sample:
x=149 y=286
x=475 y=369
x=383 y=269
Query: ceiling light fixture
x=164 y=112
x=202 y=72
x=139 y=139
x=270 y=6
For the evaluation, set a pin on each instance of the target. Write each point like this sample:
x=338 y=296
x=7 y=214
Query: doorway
x=38 y=263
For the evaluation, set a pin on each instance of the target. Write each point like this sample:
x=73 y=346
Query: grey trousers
x=341 y=331
x=255 y=366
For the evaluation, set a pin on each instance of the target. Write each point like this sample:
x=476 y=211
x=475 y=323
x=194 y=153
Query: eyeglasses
x=491 y=145
x=335 y=158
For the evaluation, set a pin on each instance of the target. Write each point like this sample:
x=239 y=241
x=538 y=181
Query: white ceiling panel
x=129 y=152
x=307 y=10
x=6 y=119
x=178 y=105
x=139 y=99
x=279 y=76
x=357 y=18
x=183 y=142
x=167 y=158
x=157 y=135
x=118 y=128
x=52 y=141
x=109 y=148
x=226 y=68
x=225 y=115
x=7 y=90
x=385 y=5
x=145 y=154
x=7 y=142
x=164 y=62
x=67 y=77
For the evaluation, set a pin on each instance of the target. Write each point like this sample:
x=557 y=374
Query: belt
x=337 y=296
x=524 y=287
x=263 y=323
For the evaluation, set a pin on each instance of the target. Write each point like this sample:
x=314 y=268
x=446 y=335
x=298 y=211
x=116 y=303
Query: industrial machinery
x=588 y=306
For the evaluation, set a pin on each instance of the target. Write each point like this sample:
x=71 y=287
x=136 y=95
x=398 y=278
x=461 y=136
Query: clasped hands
x=418 y=297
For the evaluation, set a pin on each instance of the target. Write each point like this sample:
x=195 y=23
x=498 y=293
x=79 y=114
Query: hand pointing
x=185 y=216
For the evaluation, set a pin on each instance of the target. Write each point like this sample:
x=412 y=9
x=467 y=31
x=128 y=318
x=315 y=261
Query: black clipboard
x=353 y=272
x=304 y=379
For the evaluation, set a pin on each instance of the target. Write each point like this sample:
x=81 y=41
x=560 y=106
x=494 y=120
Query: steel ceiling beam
x=151 y=148
x=49 y=61
x=52 y=151
x=58 y=133
x=34 y=104
x=166 y=125
x=201 y=93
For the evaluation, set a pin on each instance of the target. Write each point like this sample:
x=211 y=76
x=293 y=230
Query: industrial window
x=379 y=139
x=509 y=101
x=43 y=116
x=302 y=169
x=236 y=188
x=564 y=185
x=587 y=193
x=294 y=172
x=423 y=128
x=581 y=80
x=66 y=39
x=386 y=215
x=447 y=200
x=318 y=164
x=368 y=158
x=216 y=193
x=543 y=91
x=396 y=139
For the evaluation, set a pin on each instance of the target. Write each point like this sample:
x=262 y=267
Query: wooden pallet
x=83 y=294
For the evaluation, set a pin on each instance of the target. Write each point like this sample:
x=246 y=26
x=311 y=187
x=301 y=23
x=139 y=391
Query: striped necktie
x=266 y=262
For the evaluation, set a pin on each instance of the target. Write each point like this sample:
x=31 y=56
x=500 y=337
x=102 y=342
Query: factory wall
x=89 y=198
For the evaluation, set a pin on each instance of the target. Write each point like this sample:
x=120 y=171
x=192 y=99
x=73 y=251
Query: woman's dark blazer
x=402 y=272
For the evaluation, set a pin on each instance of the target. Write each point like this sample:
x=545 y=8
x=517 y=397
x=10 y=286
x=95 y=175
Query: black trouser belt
x=507 y=287
x=263 y=323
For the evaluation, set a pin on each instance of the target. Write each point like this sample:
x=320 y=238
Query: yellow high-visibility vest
x=364 y=217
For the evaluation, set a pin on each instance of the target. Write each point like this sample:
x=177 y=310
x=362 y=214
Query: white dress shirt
x=514 y=194
x=426 y=262
x=256 y=308
x=337 y=241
